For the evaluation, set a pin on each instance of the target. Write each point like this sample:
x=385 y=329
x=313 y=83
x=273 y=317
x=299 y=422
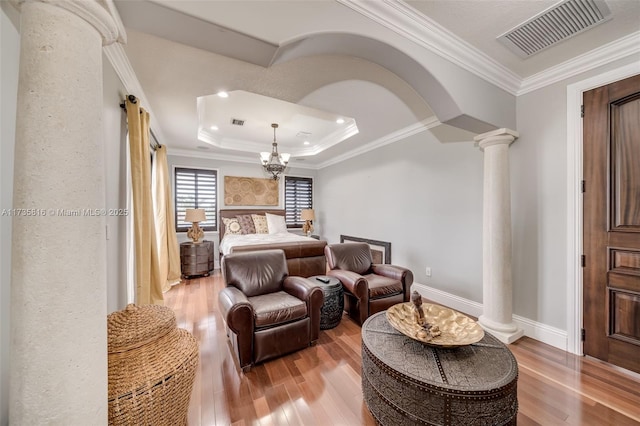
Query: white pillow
x=276 y=224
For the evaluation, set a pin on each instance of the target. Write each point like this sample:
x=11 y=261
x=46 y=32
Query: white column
x=497 y=316
x=58 y=289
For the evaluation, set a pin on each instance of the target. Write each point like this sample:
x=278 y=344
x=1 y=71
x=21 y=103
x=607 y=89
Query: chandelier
x=272 y=162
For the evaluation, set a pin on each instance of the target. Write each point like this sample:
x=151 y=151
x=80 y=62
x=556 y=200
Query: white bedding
x=231 y=240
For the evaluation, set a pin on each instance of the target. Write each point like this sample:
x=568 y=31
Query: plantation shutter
x=298 y=195
x=196 y=189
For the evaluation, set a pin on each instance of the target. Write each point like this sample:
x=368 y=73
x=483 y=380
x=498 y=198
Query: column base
x=506 y=333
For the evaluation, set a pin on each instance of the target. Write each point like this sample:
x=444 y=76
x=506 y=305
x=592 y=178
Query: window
x=298 y=195
x=196 y=189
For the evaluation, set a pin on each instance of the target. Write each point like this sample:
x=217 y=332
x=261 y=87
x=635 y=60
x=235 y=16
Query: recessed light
x=223 y=94
x=340 y=120
x=306 y=142
x=214 y=127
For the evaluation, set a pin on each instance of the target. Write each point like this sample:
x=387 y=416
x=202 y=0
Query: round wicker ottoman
x=152 y=365
x=331 y=312
x=405 y=382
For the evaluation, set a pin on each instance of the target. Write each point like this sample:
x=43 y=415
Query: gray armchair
x=267 y=313
x=369 y=287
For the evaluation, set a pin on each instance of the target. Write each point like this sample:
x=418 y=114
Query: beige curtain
x=148 y=281
x=168 y=251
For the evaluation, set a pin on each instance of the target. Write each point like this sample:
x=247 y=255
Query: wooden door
x=611 y=232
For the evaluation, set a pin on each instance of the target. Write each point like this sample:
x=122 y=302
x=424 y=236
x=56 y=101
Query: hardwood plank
x=299 y=404
x=320 y=385
x=277 y=397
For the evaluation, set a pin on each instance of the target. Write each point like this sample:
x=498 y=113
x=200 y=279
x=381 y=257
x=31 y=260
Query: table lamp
x=307 y=215
x=195 y=216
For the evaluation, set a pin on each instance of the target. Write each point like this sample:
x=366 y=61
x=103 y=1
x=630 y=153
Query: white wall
x=423 y=196
x=10 y=50
x=426 y=199
x=229 y=168
x=538 y=175
x=539 y=201
x=115 y=133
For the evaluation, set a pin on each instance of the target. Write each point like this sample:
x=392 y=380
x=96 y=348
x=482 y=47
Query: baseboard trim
x=458 y=303
x=533 y=329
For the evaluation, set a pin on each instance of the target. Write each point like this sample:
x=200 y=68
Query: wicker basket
x=152 y=365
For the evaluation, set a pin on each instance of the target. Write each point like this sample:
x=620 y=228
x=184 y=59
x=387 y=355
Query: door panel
x=611 y=207
x=625 y=152
x=626 y=307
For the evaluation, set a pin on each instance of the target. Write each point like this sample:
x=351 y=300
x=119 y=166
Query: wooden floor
x=321 y=385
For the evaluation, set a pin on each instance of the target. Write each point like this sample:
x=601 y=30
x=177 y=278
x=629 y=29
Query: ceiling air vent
x=237 y=122
x=558 y=23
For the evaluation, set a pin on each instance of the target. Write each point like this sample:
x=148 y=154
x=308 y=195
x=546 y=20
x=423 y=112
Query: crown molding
x=402 y=19
x=210 y=155
x=610 y=52
x=205 y=136
x=340 y=135
x=226 y=157
x=120 y=62
x=328 y=141
x=396 y=136
x=113 y=11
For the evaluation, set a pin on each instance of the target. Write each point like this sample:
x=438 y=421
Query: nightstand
x=196 y=259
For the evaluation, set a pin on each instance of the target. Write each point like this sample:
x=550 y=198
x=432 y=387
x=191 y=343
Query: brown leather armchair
x=267 y=313
x=369 y=287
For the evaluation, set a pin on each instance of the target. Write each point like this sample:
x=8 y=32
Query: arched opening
x=443 y=103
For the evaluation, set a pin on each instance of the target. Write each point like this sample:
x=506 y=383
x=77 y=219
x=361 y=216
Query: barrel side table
x=331 y=312
x=405 y=382
x=196 y=259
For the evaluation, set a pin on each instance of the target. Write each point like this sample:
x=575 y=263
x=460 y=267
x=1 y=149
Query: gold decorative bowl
x=456 y=329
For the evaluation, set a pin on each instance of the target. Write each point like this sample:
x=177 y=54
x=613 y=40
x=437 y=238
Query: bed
x=305 y=256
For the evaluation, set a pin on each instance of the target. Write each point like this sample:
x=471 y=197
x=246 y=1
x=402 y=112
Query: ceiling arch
x=404 y=66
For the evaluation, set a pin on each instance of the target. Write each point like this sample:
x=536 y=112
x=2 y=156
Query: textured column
x=58 y=289
x=497 y=316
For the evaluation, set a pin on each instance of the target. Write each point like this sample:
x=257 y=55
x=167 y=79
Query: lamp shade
x=307 y=214
x=264 y=157
x=194 y=215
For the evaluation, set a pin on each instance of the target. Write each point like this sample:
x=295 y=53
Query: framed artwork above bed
x=380 y=250
x=248 y=191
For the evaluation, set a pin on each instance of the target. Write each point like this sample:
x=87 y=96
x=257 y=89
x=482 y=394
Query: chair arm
x=302 y=288
x=404 y=275
x=236 y=310
x=312 y=294
x=391 y=271
x=353 y=282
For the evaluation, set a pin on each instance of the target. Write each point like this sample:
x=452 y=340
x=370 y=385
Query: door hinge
x=582 y=334
x=583 y=187
x=583 y=260
x=582 y=111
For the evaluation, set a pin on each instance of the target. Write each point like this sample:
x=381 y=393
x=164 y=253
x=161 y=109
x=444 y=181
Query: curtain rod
x=153 y=140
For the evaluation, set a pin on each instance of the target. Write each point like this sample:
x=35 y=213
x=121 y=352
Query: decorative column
x=58 y=282
x=497 y=316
